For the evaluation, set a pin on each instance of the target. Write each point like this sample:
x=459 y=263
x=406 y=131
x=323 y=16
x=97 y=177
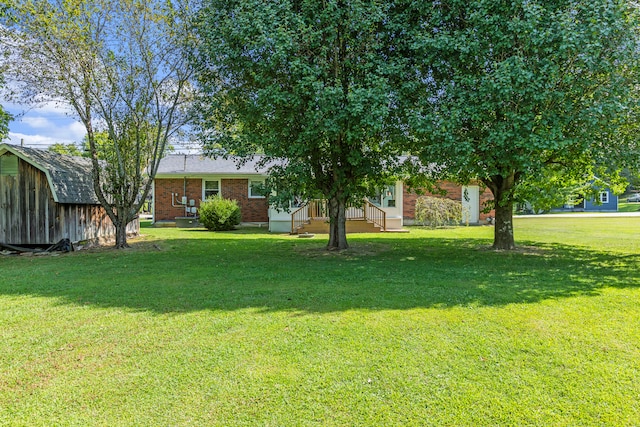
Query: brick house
x=183 y=181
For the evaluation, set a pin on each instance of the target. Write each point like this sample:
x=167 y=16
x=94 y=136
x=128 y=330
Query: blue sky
x=41 y=127
x=49 y=124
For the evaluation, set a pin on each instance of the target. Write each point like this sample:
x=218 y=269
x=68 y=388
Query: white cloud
x=42 y=130
x=35 y=141
x=70 y=134
x=77 y=131
x=37 y=122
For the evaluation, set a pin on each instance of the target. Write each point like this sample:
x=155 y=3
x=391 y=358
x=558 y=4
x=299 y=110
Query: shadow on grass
x=250 y=270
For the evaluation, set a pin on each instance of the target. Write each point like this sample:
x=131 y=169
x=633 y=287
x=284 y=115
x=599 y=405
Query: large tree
x=525 y=90
x=309 y=84
x=5 y=117
x=121 y=66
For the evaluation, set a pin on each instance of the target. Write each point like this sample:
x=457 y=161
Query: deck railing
x=375 y=215
x=299 y=217
x=319 y=210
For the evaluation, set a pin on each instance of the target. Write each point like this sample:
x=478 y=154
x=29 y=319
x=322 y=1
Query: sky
x=42 y=127
x=50 y=124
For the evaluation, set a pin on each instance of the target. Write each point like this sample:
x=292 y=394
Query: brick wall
x=162 y=196
x=256 y=209
x=485 y=197
x=252 y=209
x=454 y=192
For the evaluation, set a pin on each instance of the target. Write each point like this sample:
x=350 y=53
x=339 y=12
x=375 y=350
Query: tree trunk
x=502 y=188
x=503 y=232
x=337 y=225
x=121 y=233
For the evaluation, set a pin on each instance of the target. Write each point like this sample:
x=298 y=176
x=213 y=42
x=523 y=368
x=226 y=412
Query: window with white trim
x=211 y=188
x=604 y=197
x=386 y=198
x=256 y=189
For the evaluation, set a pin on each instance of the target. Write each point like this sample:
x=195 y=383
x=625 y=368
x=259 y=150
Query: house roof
x=69 y=177
x=194 y=164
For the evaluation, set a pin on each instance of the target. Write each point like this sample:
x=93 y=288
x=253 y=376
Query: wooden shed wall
x=30 y=216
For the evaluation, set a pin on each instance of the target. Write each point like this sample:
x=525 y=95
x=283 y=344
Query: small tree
x=438 y=211
x=218 y=214
x=120 y=65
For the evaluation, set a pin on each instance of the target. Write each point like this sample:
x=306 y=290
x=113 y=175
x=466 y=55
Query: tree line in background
x=339 y=97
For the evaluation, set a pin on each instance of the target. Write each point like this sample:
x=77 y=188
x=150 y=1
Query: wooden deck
x=321 y=226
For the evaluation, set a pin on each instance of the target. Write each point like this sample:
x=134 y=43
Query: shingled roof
x=70 y=177
x=196 y=164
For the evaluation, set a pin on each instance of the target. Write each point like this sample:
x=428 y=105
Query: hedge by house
x=218 y=214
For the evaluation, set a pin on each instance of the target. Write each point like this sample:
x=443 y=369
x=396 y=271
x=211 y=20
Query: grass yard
x=624 y=206
x=247 y=328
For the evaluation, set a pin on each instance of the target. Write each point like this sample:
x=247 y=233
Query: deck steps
x=320 y=226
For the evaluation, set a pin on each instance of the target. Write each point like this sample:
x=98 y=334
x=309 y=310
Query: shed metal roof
x=70 y=178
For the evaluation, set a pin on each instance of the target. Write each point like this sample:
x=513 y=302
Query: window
x=386 y=198
x=256 y=189
x=211 y=188
x=8 y=165
x=604 y=197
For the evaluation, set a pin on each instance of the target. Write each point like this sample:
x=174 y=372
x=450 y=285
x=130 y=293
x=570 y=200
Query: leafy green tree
x=5 y=118
x=69 y=149
x=121 y=66
x=633 y=179
x=525 y=90
x=311 y=85
x=555 y=187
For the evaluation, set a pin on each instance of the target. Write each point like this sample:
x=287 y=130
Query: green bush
x=218 y=214
x=437 y=212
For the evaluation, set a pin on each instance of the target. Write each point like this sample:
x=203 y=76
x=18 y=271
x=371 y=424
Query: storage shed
x=46 y=197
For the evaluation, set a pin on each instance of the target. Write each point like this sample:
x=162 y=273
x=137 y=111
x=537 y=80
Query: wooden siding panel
x=7 y=188
x=29 y=215
x=23 y=229
x=32 y=209
x=14 y=206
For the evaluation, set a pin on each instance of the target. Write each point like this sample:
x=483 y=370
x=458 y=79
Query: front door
x=471 y=204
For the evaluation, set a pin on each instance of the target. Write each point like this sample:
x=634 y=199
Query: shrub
x=438 y=212
x=218 y=214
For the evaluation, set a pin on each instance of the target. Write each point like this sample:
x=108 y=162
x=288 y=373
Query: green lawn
x=624 y=206
x=247 y=328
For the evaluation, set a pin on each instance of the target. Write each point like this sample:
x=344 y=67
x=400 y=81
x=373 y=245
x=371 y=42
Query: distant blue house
x=606 y=201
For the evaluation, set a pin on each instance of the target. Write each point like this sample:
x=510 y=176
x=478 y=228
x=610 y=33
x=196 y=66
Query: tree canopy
x=121 y=66
x=313 y=86
x=525 y=91
x=68 y=149
x=5 y=118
